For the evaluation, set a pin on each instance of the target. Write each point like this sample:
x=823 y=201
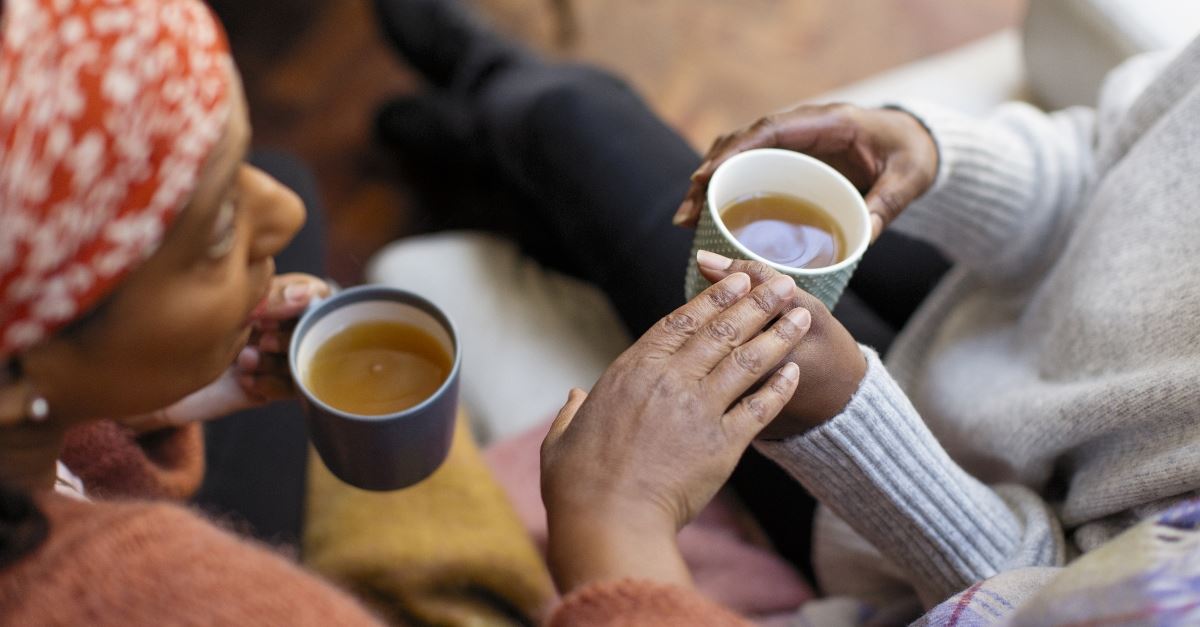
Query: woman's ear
x=13 y=403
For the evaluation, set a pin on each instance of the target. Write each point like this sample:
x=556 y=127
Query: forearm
x=877 y=466
x=1005 y=186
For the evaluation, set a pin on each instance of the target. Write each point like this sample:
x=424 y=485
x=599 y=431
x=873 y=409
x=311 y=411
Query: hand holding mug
x=260 y=373
x=885 y=153
x=626 y=466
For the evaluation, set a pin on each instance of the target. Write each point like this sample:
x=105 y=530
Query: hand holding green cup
x=770 y=171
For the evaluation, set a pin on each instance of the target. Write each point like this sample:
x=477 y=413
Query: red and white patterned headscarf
x=108 y=110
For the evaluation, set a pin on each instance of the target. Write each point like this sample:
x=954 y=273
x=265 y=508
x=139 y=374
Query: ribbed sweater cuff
x=630 y=602
x=982 y=188
x=878 y=467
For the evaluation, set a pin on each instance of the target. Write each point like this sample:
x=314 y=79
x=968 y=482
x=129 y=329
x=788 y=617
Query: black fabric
x=257 y=459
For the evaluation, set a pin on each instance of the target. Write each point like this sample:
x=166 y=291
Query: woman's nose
x=277 y=213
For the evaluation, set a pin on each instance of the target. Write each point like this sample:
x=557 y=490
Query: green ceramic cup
x=770 y=170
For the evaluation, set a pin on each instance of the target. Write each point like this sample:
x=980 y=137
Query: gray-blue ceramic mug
x=388 y=451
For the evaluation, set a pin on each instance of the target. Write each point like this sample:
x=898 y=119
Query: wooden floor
x=316 y=71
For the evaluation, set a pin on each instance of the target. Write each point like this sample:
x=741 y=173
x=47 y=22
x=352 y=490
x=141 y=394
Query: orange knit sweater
x=136 y=562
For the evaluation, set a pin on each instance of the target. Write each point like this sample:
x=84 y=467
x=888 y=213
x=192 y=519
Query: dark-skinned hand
x=886 y=153
x=626 y=466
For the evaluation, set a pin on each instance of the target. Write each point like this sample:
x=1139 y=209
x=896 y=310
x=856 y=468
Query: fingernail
x=876 y=225
x=739 y=282
x=790 y=371
x=712 y=260
x=700 y=170
x=248 y=358
x=681 y=216
x=799 y=317
x=782 y=286
x=297 y=293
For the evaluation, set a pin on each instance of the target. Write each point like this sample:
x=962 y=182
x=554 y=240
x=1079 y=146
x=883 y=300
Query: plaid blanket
x=1149 y=575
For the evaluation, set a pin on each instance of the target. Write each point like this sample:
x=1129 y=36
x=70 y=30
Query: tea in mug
x=378 y=367
x=786 y=230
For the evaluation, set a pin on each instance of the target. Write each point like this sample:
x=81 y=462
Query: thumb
x=575 y=399
x=896 y=187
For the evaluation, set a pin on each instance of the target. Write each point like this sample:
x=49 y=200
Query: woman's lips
x=259 y=309
x=260 y=306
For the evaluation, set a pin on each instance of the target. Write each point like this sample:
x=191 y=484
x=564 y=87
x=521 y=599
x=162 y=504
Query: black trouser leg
x=603 y=174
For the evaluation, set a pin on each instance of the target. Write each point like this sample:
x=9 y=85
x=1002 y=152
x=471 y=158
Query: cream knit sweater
x=1047 y=395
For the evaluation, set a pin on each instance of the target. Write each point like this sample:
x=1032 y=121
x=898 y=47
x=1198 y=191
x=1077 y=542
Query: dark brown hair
x=23 y=527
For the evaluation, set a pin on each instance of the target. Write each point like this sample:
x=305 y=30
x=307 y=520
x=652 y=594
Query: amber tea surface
x=786 y=230
x=377 y=367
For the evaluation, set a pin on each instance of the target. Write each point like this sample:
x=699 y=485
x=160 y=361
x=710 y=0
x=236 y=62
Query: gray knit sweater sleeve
x=1005 y=185
x=878 y=467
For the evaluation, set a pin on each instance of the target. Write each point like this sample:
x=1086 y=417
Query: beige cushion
x=1071 y=44
x=973 y=78
x=528 y=334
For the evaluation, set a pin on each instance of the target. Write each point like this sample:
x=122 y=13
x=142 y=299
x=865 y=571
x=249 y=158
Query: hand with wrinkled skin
x=886 y=153
x=260 y=374
x=626 y=466
x=831 y=363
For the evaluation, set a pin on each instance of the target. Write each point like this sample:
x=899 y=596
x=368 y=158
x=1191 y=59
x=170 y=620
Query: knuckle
x=765 y=123
x=779 y=386
x=722 y=330
x=719 y=142
x=663 y=386
x=785 y=331
x=679 y=323
x=891 y=201
x=843 y=112
x=748 y=359
x=757 y=270
x=758 y=409
x=764 y=300
x=721 y=297
x=762 y=270
x=767 y=128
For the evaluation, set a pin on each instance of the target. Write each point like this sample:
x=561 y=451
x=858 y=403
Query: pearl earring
x=39 y=409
